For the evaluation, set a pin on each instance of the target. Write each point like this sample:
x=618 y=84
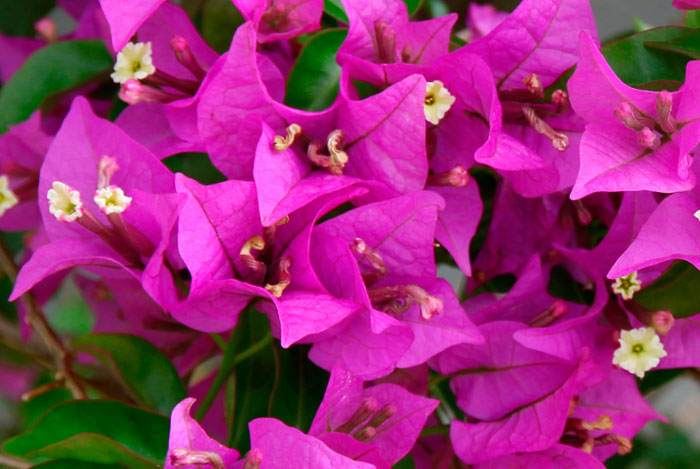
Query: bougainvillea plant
x=342 y=234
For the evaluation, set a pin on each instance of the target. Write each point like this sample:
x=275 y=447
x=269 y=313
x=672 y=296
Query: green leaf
x=300 y=389
x=197 y=166
x=692 y=19
x=640 y=25
x=562 y=285
x=314 y=80
x=220 y=18
x=67 y=311
x=252 y=380
x=140 y=432
x=688 y=44
x=18 y=18
x=334 y=8
x=53 y=69
x=405 y=463
x=31 y=411
x=144 y=371
x=274 y=382
x=75 y=464
x=92 y=448
x=413 y=5
x=676 y=290
x=637 y=64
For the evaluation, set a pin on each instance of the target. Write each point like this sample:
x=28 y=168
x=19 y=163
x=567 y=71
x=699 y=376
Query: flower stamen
x=559 y=140
x=640 y=350
x=282 y=143
x=134 y=61
x=64 y=202
x=8 y=198
x=627 y=286
x=438 y=100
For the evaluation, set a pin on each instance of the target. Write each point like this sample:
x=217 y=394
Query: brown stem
x=34 y=348
x=37 y=319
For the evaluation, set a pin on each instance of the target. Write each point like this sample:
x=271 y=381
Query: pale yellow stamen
x=133 y=62
x=640 y=350
x=111 y=199
x=438 y=101
x=64 y=202
x=282 y=143
x=627 y=286
x=8 y=199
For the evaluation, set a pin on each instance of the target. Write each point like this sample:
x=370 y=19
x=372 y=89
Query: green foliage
x=314 y=81
x=220 y=18
x=654 y=379
x=642 y=66
x=93 y=448
x=413 y=5
x=52 y=70
x=562 y=285
x=670 y=449
x=273 y=382
x=144 y=372
x=95 y=431
x=334 y=9
x=692 y=19
x=687 y=45
x=197 y=166
x=75 y=464
x=67 y=311
x=676 y=291
x=18 y=18
x=34 y=409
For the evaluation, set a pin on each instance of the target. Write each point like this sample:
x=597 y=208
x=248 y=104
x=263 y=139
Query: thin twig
x=34 y=348
x=37 y=319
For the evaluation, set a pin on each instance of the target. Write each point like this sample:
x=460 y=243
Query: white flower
x=64 y=202
x=697 y=214
x=8 y=199
x=111 y=199
x=627 y=286
x=639 y=351
x=133 y=62
x=438 y=101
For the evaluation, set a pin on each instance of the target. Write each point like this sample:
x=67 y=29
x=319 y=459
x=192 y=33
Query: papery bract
x=125 y=17
x=186 y=434
x=614 y=157
x=395 y=435
x=73 y=157
x=535 y=427
x=275 y=20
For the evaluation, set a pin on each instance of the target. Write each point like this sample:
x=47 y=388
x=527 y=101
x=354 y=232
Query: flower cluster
x=560 y=204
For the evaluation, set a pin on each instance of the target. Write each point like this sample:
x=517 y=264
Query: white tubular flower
x=64 y=202
x=627 y=286
x=111 y=199
x=8 y=199
x=438 y=101
x=640 y=350
x=133 y=62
